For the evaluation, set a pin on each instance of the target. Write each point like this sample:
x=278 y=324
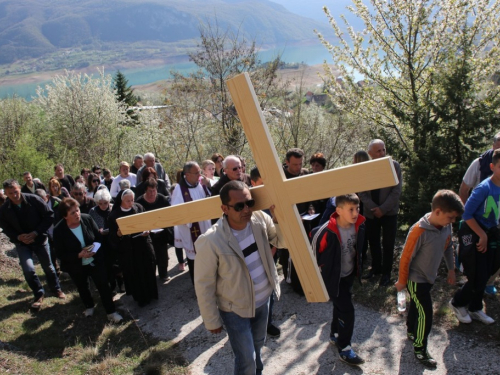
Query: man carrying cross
x=189 y=189
x=238 y=275
x=276 y=190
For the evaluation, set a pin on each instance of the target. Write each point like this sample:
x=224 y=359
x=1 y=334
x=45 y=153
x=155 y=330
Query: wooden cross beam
x=277 y=190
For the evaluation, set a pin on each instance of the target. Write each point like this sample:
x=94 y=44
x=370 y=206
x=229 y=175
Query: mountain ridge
x=34 y=28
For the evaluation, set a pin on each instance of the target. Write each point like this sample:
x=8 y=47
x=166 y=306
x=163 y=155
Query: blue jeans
x=25 y=253
x=247 y=336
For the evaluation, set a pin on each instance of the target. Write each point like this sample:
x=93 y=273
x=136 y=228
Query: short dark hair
x=231 y=185
x=295 y=152
x=345 y=199
x=10 y=183
x=187 y=167
x=26 y=173
x=496 y=156
x=447 y=201
x=95 y=168
x=58 y=165
x=254 y=174
x=66 y=205
x=318 y=158
x=106 y=172
x=84 y=170
x=150 y=182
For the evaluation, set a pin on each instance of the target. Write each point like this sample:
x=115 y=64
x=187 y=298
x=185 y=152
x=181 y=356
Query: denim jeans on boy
x=25 y=254
x=247 y=336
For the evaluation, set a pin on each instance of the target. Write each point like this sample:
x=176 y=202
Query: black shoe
x=370 y=275
x=424 y=358
x=349 y=356
x=273 y=331
x=385 y=280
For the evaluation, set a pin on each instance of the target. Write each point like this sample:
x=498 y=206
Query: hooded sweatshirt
x=424 y=248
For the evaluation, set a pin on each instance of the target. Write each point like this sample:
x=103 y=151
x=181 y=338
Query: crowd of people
x=71 y=226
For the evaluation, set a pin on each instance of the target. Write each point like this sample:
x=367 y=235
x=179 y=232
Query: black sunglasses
x=96 y=181
x=236 y=168
x=241 y=205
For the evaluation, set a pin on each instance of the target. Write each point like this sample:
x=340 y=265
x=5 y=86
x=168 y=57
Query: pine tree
x=124 y=92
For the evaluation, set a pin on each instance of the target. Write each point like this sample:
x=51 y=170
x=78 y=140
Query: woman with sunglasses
x=93 y=182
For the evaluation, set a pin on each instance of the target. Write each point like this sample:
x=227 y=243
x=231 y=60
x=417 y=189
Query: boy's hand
x=399 y=286
x=482 y=244
x=451 y=277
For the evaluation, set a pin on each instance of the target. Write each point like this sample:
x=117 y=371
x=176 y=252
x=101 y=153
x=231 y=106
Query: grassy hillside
x=41 y=28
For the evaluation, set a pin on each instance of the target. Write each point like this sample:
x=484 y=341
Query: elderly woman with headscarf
x=135 y=251
x=77 y=240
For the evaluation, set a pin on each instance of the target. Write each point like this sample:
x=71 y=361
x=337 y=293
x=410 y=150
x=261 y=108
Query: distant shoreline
x=39 y=77
x=46 y=76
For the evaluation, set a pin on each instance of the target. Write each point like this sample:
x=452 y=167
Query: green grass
x=59 y=340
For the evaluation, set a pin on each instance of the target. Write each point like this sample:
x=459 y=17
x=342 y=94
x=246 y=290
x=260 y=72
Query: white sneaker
x=89 y=312
x=461 y=313
x=481 y=316
x=115 y=318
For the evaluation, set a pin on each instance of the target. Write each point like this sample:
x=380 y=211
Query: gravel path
x=303 y=347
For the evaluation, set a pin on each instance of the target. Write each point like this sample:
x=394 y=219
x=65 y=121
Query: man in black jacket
x=26 y=219
x=30 y=186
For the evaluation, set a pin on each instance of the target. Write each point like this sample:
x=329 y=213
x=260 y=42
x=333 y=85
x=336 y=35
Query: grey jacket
x=389 y=197
x=221 y=277
x=424 y=249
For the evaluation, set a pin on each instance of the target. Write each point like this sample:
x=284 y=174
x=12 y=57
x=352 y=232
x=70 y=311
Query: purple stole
x=195 y=227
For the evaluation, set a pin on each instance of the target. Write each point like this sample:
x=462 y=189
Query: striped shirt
x=262 y=287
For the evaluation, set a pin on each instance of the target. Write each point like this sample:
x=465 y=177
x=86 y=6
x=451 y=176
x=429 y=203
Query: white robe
x=182 y=233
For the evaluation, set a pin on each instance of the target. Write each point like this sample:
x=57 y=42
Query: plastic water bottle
x=402 y=301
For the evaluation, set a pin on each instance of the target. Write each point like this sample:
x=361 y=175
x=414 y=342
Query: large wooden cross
x=284 y=194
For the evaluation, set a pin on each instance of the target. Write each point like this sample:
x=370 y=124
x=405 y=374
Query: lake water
x=311 y=55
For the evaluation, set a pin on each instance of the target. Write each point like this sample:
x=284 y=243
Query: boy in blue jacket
x=336 y=245
x=479 y=246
